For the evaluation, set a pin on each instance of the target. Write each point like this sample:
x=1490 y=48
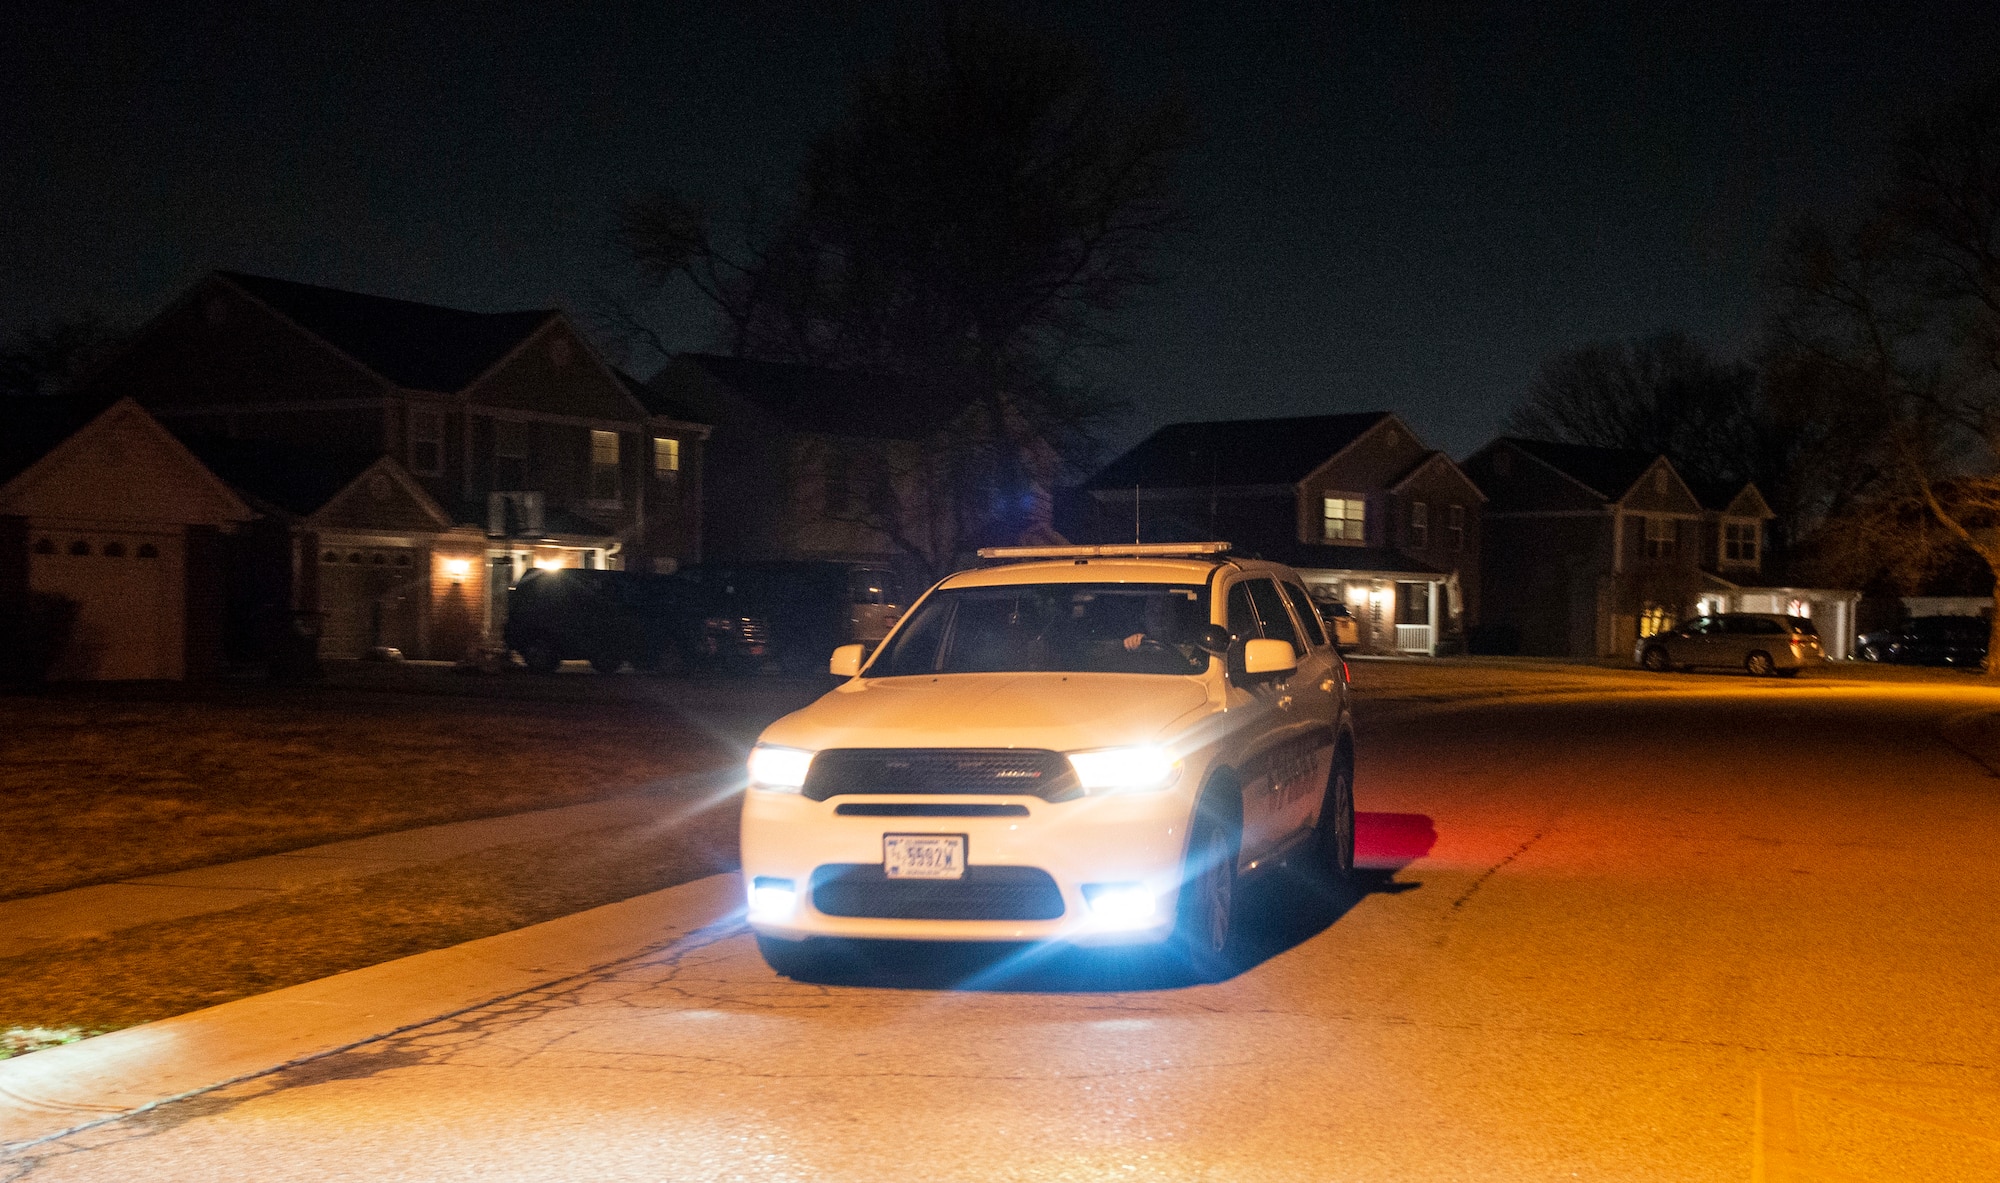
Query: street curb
x=61 y=1090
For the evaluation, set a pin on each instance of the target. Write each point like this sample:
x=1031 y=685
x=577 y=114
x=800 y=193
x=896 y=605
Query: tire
x=1757 y=664
x=797 y=960
x=1207 y=904
x=539 y=654
x=1333 y=837
x=1655 y=659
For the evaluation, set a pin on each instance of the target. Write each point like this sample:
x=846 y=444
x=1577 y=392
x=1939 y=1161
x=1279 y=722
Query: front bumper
x=1124 y=839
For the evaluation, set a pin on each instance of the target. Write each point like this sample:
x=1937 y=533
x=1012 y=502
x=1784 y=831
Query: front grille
x=986 y=893
x=1011 y=772
x=926 y=809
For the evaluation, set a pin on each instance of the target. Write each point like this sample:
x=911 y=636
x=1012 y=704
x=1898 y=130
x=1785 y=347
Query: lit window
x=666 y=457
x=1346 y=519
x=1420 y=525
x=1655 y=619
x=426 y=442
x=604 y=466
x=1659 y=537
x=1454 y=528
x=1739 y=542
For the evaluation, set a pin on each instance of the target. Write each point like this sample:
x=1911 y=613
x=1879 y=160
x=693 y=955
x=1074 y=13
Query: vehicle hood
x=1059 y=712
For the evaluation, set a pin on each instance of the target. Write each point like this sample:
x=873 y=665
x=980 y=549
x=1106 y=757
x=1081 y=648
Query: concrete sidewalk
x=62 y=1089
x=36 y=921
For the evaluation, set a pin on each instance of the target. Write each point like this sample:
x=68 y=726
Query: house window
x=1654 y=619
x=604 y=466
x=1420 y=525
x=1739 y=542
x=1346 y=518
x=1659 y=537
x=510 y=454
x=1454 y=528
x=666 y=458
x=426 y=443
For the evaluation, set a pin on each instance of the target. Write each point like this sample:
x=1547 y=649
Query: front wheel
x=539 y=654
x=797 y=960
x=1208 y=885
x=1655 y=659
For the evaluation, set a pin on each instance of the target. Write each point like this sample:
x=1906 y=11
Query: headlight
x=781 y=770
x=1125 y=770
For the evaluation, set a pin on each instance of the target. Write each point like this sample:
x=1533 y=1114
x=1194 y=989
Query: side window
x=1302 y=607
x=1271 y=611
x=1242 y=621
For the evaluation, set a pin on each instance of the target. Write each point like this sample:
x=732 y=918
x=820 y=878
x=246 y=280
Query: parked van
x=810 y=607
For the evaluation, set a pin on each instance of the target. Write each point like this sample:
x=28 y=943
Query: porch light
x=548 y=564
x=458 y=569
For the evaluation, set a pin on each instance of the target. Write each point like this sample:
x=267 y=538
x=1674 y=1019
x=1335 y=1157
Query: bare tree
x=1903 y=312
x=45 y=358
x=969 y=228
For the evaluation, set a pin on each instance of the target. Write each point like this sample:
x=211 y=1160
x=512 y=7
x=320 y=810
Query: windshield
x=1096 y=628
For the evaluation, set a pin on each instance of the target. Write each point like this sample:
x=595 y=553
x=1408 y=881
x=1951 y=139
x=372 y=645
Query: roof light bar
x=1129 y=550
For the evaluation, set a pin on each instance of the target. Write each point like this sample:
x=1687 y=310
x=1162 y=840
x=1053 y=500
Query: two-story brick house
x=812 y=463
x=1368 y=513
x=1586 y=548
x=422 y=457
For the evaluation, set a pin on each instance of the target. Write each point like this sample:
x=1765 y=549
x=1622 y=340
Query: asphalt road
x=1747 y=930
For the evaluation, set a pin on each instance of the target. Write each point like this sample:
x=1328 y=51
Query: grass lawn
x=97 y=786
x=86 y=987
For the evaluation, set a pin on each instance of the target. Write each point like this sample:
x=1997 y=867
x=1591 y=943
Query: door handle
x=1284 y=702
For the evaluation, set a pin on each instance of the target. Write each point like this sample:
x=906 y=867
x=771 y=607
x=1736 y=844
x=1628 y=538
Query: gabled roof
x=1429 y=460
x=656 y=402
x=824 y=401
x=1725 y=496
x=293 y=480
x=1608 y=472
x=1234 y=452
x=32 y=425
x=416 y=346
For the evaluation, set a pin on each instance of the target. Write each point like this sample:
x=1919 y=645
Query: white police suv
x=1079 y=744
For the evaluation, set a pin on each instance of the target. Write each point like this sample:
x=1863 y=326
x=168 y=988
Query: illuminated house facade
x=420 y=458
x=1369 y=515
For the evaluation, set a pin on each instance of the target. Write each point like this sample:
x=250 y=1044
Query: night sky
x=1400 y=207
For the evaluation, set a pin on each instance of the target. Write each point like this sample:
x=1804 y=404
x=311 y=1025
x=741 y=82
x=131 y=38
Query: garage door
x=130 y=596
x=371 y=596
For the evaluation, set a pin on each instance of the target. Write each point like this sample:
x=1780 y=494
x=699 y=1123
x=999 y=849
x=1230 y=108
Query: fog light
x=1120 y=903
x=771 y=899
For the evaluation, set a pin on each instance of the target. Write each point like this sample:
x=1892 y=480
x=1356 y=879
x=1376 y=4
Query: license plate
x=923 y=856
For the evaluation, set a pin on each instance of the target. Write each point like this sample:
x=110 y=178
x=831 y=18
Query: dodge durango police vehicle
x=1077 y=744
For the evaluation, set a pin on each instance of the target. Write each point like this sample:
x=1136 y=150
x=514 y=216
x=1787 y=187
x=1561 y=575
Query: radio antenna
x=1135 y=514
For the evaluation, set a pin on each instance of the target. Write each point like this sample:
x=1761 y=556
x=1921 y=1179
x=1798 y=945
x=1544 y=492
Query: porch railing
x=1413 y=638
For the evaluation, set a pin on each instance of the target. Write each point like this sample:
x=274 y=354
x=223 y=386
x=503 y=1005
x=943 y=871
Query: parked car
x=809 y=608
x=604 y=617
x=1086 y=745
x=609 y=618
x=1928 y=640
x=1757 y=643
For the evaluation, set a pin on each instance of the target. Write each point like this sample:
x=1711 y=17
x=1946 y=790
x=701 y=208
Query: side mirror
x=1213 y=639
x=1265 y=656
x=846 y=661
